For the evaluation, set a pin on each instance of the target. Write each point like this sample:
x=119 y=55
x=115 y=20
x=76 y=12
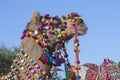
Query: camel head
x=73 y=19
x=55 y=24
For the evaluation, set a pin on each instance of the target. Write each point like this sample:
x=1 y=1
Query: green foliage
x=7 y=55
x=118 y=64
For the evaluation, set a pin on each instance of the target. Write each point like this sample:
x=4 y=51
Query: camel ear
x=35 y=17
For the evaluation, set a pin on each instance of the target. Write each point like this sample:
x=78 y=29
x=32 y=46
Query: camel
x=32 y=47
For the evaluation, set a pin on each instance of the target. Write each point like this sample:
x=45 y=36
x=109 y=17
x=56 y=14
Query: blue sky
x=102 y=18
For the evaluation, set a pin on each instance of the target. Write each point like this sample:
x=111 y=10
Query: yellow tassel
x=75 y=44
x=36 y=40
x=14 y=60
x=43 y=33
x=43 y=20
x=30 y=33
x=43 y=73
x=51 y=20
x=70 y=20
x=63 y=32
x=36 y=75
x=73 y=20
x=47 y=77
x=76 y=17
x=59 y=35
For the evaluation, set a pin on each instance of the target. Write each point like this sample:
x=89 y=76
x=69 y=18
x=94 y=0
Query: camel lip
x=82 y=32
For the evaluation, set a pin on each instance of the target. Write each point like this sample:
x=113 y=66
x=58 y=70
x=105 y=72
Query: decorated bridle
x=52 y=26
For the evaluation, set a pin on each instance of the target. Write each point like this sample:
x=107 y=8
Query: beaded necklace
x=31 y=66
x=28 y=67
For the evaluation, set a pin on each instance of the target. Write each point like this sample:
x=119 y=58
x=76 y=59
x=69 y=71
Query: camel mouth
x=82 y=32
